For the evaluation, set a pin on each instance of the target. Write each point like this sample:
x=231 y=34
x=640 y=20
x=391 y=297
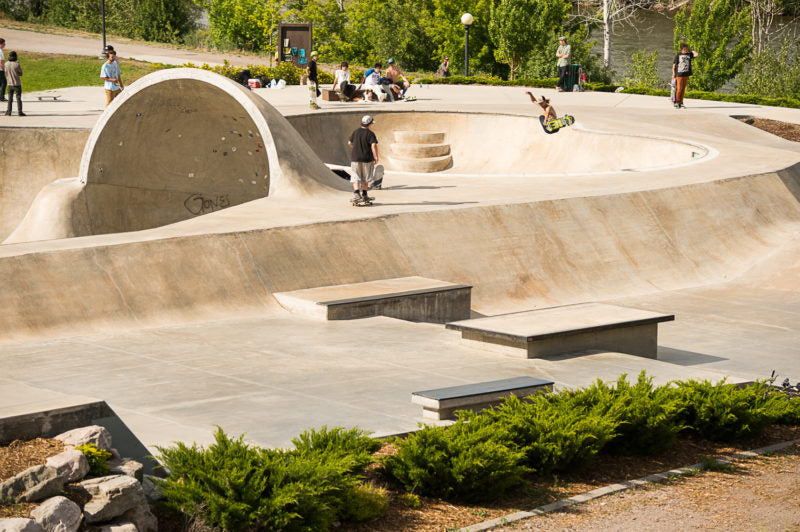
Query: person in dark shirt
x=313 y=83
x=14 y=73
x=363 y=157
x=681 y=70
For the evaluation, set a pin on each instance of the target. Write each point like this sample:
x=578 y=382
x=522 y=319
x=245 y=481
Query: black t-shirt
x=312 y=71
x=683 y=64
x=362 y=139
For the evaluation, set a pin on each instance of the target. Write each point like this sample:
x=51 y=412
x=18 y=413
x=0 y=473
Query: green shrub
x=555 y=432
x=787 y=409
x=338 y=441
x=642 y=70
x=725 y=412
x=465 y=461
x=235 y=486
x=646 y=417
x=97 y=458
x=365 y=502
x=410 y=500
x=489 y=80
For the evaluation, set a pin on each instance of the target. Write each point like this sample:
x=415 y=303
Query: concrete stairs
x=420 y=151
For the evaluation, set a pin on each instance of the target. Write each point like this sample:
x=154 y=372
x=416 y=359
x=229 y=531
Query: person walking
x=681 y=70
x=363 y=158
x=3 y=81
x=111 y=73
x=14 y=73
x=444 y=68
x=313 y=82
x=563 y=53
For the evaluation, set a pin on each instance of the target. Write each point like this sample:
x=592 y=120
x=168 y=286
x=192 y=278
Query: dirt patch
x=785 y=130
x=20 y=455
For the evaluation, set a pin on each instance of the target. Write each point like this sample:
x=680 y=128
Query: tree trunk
x=607 y=26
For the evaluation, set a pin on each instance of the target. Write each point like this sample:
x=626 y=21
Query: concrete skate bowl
x=481 y=144
x=176 y=144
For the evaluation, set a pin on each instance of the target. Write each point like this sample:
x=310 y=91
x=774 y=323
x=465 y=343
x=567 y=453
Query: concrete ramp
x=176 y=144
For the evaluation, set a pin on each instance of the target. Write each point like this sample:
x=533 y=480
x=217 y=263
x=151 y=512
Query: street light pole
x=103 y=15
x=466 y=20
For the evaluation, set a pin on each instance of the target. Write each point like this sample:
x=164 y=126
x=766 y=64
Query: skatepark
x=144 y=246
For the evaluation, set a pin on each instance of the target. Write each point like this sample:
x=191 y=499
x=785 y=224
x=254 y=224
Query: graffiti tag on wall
x=198 y=204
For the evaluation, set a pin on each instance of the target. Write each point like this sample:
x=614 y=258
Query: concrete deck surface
x=734 y=290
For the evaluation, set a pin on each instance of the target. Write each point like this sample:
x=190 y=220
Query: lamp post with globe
x=466 y=20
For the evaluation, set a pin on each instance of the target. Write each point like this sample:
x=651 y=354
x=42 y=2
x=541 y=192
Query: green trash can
x=574 y=77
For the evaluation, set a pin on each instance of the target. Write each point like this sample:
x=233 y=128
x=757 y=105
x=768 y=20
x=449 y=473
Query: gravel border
x=616 y=488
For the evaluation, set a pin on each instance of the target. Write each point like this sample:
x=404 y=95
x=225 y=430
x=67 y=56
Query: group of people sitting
x=387 y=86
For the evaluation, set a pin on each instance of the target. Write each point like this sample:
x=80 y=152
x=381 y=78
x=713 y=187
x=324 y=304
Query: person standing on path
x=14 y=73
x=3 y=81
x=681 y=70
x=111 y=73
x=564 y=52
x=363 y=158
x=313 y=83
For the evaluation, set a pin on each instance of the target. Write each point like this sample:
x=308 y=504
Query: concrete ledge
x=406 y=298
x=441 y=403
x=560 y=330
x=50 y=422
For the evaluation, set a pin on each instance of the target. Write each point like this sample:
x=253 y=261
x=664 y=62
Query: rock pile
x=116 y=502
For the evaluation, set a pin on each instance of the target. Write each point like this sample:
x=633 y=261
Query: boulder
x=19 y=524
x=92 y=434
x=72 y=465
x=112 y=496
x=151 y=490
x=32 y=485
x=117 y=526
x=142 y=517
x=58 y=514
x=126 y=466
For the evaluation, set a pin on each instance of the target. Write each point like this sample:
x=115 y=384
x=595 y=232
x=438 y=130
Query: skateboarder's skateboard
x=377 y=177
x=554 y=125
x=360 y=202
x=410 y=98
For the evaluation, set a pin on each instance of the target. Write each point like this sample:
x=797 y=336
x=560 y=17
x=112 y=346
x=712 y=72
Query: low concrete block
x=442 y=403
x=406 y=298
x=567 y=329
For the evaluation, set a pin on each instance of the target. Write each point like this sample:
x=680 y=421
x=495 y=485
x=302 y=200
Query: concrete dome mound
x=176 y=144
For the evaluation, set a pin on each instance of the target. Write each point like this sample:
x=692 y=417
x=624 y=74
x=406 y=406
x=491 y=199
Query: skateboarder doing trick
x=544 y=103
x=363 y=158
x=550 y=121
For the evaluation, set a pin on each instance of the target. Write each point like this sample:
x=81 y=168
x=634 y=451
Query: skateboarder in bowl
x=363 y=157
x=544 y=103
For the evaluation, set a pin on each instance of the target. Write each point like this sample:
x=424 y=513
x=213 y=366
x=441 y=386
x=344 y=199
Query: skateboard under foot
x=554 y=125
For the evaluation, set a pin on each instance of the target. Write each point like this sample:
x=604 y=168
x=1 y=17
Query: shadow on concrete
x=427 y=203
x=685 y=358
x=424 y=187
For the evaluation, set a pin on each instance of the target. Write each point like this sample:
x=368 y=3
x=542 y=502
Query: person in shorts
x=112 y=76
x=313 y=81
x=363 y=158
x=548 y=110
x=371 y=83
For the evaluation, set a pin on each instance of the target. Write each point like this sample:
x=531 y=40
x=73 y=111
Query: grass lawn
x=54 y=71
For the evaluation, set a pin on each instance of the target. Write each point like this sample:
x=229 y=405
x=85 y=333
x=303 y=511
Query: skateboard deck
x=360 y=203
x=410 y=98
x=377 y=177
x=554 y=125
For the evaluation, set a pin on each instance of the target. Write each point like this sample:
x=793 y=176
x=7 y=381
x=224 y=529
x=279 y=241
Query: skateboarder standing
x=363 y=157
x=681 y=70
x=311 y=72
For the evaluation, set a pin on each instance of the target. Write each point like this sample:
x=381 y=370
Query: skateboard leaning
x=553 y=126
x=377 y=177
